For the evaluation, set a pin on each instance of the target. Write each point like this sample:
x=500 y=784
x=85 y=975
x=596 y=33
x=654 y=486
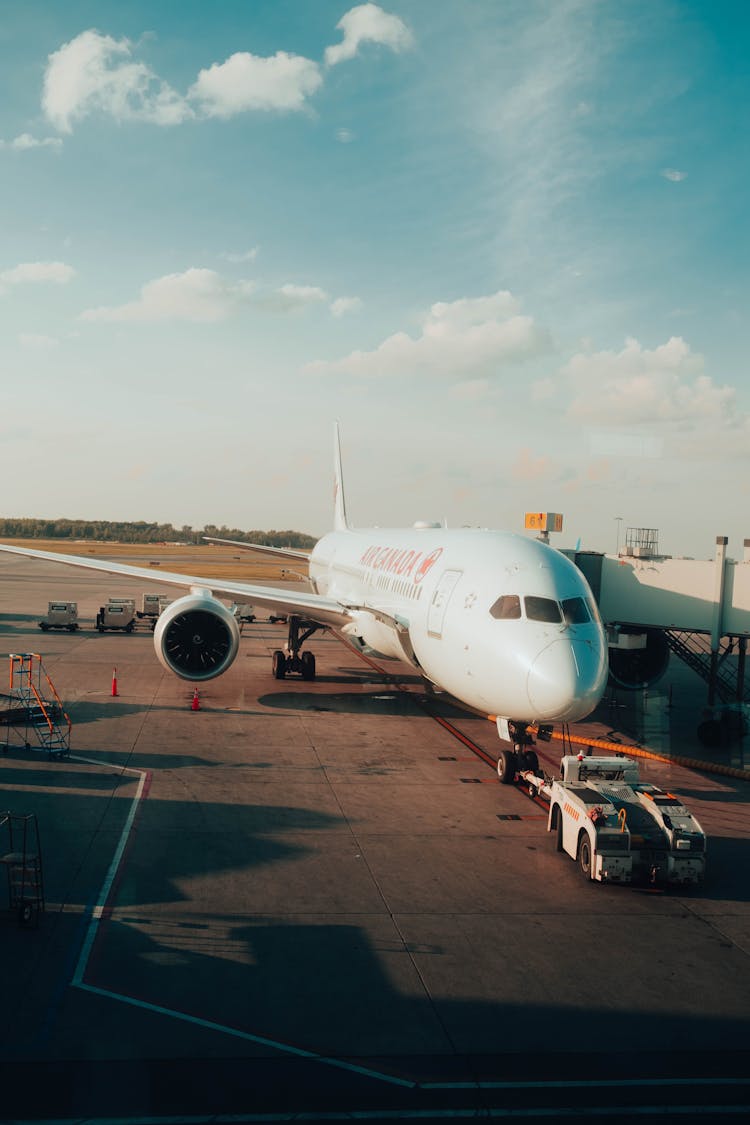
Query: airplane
x=505 y=624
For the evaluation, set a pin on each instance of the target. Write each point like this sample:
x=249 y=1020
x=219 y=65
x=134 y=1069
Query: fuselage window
x=506 y=608
x=575 y=612
x=542 y=609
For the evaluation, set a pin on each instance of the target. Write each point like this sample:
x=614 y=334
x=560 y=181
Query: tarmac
x=313 y=899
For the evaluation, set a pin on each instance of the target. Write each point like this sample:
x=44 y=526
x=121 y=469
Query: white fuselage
x=504 y=623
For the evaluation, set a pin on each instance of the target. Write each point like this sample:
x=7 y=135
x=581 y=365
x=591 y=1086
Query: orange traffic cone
x=114 y=681
x=195 y=705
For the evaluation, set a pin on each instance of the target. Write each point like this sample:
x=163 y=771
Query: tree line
x=143 y=532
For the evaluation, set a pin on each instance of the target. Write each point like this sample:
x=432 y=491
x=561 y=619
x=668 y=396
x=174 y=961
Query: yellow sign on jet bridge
x=543 y=521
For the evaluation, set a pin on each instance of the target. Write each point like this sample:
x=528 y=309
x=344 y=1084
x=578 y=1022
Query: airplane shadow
x=382 y=702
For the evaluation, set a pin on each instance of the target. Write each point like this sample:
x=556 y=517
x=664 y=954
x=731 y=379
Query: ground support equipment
x=617 y=827
x=37 y=711
x=21 y=857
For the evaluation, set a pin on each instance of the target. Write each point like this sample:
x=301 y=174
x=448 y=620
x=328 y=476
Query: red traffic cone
x=114 y=681
x=195 y=705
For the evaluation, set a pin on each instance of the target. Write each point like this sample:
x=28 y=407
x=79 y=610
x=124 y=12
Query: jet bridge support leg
x=294 y=660
x=742 y=654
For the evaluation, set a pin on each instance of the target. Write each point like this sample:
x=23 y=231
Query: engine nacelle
x=197 y=637
x=637 y=657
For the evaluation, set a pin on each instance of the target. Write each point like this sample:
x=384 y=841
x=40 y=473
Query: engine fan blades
x=197 y=642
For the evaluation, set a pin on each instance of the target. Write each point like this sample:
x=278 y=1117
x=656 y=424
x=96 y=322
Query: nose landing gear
x=521 y=757
x=294 y=660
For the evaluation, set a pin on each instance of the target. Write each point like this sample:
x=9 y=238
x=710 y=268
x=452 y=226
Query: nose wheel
x=294 y=660
x=521 y=757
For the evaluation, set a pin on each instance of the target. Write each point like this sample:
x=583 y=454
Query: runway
x=312 y=898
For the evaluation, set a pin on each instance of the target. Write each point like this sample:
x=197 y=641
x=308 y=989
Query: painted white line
x=585 y=1084
x=483 y=1113
x=247 y=1036
x=88 y=941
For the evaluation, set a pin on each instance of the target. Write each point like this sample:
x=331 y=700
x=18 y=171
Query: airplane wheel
x=308 y=665
x=585 y=857
x=530 y=761
x=557 y=820
x=506 y=767
x=279 y=664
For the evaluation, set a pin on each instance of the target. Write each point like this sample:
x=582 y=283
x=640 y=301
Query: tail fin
x=339 y=504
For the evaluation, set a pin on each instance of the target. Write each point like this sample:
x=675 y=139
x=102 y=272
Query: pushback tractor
x=618 y=828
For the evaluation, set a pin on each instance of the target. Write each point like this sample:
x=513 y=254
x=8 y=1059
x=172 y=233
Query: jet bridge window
x=575 y=612
x=542 y=609
x=506 y=608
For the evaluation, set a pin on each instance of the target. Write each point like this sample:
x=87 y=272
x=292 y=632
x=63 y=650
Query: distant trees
x=142 y=532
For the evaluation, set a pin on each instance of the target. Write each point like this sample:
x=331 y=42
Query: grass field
x=203 y=561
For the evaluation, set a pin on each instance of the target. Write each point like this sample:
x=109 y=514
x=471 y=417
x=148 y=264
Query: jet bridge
x=653 y=604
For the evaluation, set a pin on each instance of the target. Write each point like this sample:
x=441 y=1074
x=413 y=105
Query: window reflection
x=506 y=608
x=575 y=612
x=542 y=609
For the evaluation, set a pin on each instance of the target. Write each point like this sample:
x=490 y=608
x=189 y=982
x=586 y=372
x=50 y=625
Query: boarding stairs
x=694 y=649
x=21 y=856
x=37 y=705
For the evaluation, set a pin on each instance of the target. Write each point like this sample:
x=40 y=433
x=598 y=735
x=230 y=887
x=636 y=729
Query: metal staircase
x=39 y=713
x=695 y=651
x=21 y=856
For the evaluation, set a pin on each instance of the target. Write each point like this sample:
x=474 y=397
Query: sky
x=504 y=242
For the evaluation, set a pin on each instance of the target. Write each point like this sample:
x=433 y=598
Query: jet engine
x=197 y=637
x=638 y=657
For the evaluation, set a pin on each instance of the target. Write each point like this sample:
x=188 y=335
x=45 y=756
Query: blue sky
x=505 y=243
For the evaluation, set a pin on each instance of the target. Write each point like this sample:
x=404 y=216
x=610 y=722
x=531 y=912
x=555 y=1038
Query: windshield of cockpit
x=570 y=611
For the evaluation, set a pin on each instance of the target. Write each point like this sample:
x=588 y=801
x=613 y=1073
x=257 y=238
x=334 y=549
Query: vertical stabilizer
x=339 y=504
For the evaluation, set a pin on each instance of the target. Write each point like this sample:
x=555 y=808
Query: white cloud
x=345 y=136
x=249 y=82
x=674 y=175
x=34 y=272
x=343 y=305
x=95 y=72
x=368 y=23
x=638 y=386
x=198 y=295
x=472 y=390
x=472 y=335
x=37 y=341
x=291 y=296
x=25 y=141
x=98 y=73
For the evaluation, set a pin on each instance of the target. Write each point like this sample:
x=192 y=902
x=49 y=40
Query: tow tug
x=617 y=827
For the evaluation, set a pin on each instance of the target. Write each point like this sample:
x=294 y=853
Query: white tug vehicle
x=617 y=827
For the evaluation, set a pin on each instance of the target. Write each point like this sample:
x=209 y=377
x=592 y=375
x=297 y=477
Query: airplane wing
x=313 y=607
x=278 y=552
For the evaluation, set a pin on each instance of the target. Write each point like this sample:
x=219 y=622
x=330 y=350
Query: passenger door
x=439 y=604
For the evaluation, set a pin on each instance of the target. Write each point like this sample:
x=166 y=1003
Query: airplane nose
x=566 y=681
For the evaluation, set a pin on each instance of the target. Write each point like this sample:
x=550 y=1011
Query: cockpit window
x=506 y=608
x=542 y=609
x=593 y=610
x=575 y=612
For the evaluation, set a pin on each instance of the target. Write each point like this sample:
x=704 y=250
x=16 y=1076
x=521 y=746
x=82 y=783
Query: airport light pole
x=618 y=521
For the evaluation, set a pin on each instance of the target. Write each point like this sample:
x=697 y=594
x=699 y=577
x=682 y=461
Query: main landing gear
x=521 y=757
x=293 y=660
